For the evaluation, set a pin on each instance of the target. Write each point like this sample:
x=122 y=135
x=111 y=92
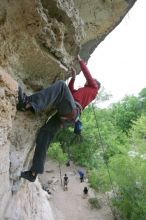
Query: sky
x=119 y=61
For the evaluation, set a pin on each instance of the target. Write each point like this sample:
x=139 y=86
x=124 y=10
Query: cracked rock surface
x=39 y=40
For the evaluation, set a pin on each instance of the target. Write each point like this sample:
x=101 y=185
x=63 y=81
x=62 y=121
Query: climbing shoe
x=22 y=100
x=28 y=176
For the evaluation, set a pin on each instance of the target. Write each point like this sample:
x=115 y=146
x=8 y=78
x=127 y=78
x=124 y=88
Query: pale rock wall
x=100 y=18
x=19 y=199
x=8 y=88
x=31 y=202
x=39 y=40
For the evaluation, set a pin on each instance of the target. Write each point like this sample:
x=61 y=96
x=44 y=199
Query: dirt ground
x=71 y=204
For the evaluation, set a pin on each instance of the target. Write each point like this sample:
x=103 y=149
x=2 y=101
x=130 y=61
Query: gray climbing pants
x=59 y=96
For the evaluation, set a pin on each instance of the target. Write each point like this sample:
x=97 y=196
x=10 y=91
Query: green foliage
x=125 y=112
x=108 y=138
x=138 y=135
x=142 y=93
x=142 y=99
x=93 y=178
x=128 y=175
x=56 y=153
x=99 y=179
x=129 y=182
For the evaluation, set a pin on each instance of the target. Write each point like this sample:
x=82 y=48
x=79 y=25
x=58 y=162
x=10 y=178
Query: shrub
x=94 y=203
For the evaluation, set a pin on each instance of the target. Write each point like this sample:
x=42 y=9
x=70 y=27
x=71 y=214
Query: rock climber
x=69 y=103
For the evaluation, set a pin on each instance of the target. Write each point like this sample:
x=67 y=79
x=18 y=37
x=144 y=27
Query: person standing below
x=81 y=173
x=85 y=191
x=66 y=180
x=68 y=102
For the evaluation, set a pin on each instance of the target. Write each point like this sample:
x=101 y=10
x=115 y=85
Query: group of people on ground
x=66 y=181
x=69 y=103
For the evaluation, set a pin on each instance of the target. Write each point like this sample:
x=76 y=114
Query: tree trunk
x=60 y=174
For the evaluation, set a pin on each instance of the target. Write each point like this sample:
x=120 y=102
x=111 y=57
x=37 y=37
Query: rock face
x=39 y=41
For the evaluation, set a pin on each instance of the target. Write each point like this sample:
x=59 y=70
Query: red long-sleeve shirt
x=86 y=94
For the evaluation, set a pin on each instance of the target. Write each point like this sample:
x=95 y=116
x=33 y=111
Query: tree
x=138 y=135
x=142 y=93
x=56 y=153
x=142 y=98
x=126 y=112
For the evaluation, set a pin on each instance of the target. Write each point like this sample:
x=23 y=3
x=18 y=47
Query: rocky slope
x=39 y=41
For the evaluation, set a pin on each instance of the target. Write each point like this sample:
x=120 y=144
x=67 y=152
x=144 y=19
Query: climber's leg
x=52 y=96
x=44 y=138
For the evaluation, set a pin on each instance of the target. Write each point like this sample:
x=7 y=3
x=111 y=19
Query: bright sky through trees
x=119 y=61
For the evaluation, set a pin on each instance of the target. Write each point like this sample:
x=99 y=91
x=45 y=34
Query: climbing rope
x=102 y=146
x=107 y=167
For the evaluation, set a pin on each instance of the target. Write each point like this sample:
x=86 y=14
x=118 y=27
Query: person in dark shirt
x=85 y=190
x=66 y=180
